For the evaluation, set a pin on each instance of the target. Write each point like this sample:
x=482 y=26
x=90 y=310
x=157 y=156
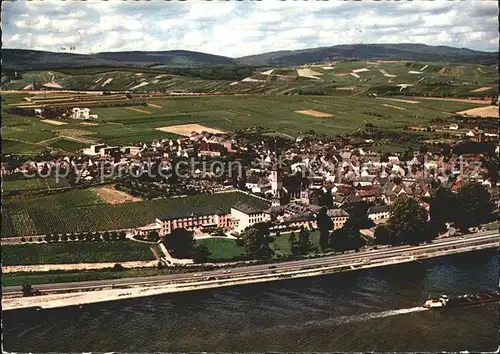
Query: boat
x=445 y=301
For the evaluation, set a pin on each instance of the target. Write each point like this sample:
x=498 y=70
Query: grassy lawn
x=75 y=252
x=282 y=246
x=222 y=248
x=83 y=211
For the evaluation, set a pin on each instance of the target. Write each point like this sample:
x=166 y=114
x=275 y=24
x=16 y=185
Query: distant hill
x=370 y=51
x=20 y=59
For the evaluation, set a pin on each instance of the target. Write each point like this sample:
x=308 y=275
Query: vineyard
x=75 y=252
x=80 y=211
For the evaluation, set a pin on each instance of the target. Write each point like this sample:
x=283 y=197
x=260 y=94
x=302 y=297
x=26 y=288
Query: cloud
x=235 y=29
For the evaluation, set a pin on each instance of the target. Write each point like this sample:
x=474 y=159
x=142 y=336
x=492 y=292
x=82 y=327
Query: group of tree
x=300 y=244
x=86 y=236
x=255 y=241
x=469 y=207
x=181 y=244
x=409 y=222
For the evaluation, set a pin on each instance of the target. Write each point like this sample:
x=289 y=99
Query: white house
x=247 y=215
x=80 y=113
x=378 y=213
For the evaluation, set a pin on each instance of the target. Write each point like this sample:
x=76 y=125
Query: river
x=369 y=310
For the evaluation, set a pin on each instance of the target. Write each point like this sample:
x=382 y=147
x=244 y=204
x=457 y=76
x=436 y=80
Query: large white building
x=82 y=113
x=240 y=217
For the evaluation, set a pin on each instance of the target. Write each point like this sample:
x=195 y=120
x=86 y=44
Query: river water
x=368 y=310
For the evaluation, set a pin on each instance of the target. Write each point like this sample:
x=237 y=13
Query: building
x=80 y=113
x=247 y=215
x=169 y=222
x=379 y=213
x=339 y=217
x=100 y=150
x=240 y=217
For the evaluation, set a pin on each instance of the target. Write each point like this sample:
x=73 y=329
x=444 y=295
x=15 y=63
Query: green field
x=282 y=247
x=83 y=211
x=122 y=126
x=221 y=248
x=75 y=252
x=34 y=183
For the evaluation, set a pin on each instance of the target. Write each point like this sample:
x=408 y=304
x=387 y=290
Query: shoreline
x=80 y=298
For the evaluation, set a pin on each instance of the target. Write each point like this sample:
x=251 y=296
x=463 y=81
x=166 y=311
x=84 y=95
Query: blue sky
x=237 y=29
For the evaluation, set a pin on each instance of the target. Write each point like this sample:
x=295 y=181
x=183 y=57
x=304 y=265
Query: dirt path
x=138 y=110
x=113 y=196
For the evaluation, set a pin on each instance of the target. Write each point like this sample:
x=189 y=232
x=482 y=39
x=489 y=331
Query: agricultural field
x=75 y=252
x=122 y=126
x=433 y=78
x=83 y=211
x=34 y=184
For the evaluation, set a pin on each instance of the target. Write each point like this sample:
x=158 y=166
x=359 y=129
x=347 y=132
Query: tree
x=337 y=241
x=201 y=254
x=294 y=243
x=358 y=215
x=48 y=237
x=118 y=267
x=122 y=236
x=81 y=236
x=180 y=242
x=27 y=290
x=383 y=235
x=23 y=239
x=55 y=237
x=89 y=237
x=305 y=244
x=256 y=243
x=114 y=236
x=153 y=236
x=72 y=237
x=64 y=237
x=325 y=224
x=474 y=206
x=97 y=236
x=106 y=236
x=408 y=221
x=442 y=208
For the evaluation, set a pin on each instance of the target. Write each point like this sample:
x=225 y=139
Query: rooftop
x=247 y=208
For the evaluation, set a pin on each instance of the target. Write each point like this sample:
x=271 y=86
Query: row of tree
x=86 y=236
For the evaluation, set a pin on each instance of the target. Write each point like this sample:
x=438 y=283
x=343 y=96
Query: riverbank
x=79 y=298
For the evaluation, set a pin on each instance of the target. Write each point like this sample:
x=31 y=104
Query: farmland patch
x=388 y=105
x=187 y=129
x=482 y=89
x=113 y=196
x=314 y=113
x=54 y=122
x=139 y=110
x=490 y=111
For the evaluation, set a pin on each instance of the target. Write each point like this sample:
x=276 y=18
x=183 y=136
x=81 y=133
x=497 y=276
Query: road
x=468 y=240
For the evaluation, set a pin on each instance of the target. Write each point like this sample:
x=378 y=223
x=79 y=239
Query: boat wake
x=367 y=316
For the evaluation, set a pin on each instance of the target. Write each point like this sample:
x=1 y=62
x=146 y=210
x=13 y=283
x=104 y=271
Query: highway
x=489 y=237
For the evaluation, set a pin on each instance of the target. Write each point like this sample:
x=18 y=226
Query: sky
x=239 y=28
